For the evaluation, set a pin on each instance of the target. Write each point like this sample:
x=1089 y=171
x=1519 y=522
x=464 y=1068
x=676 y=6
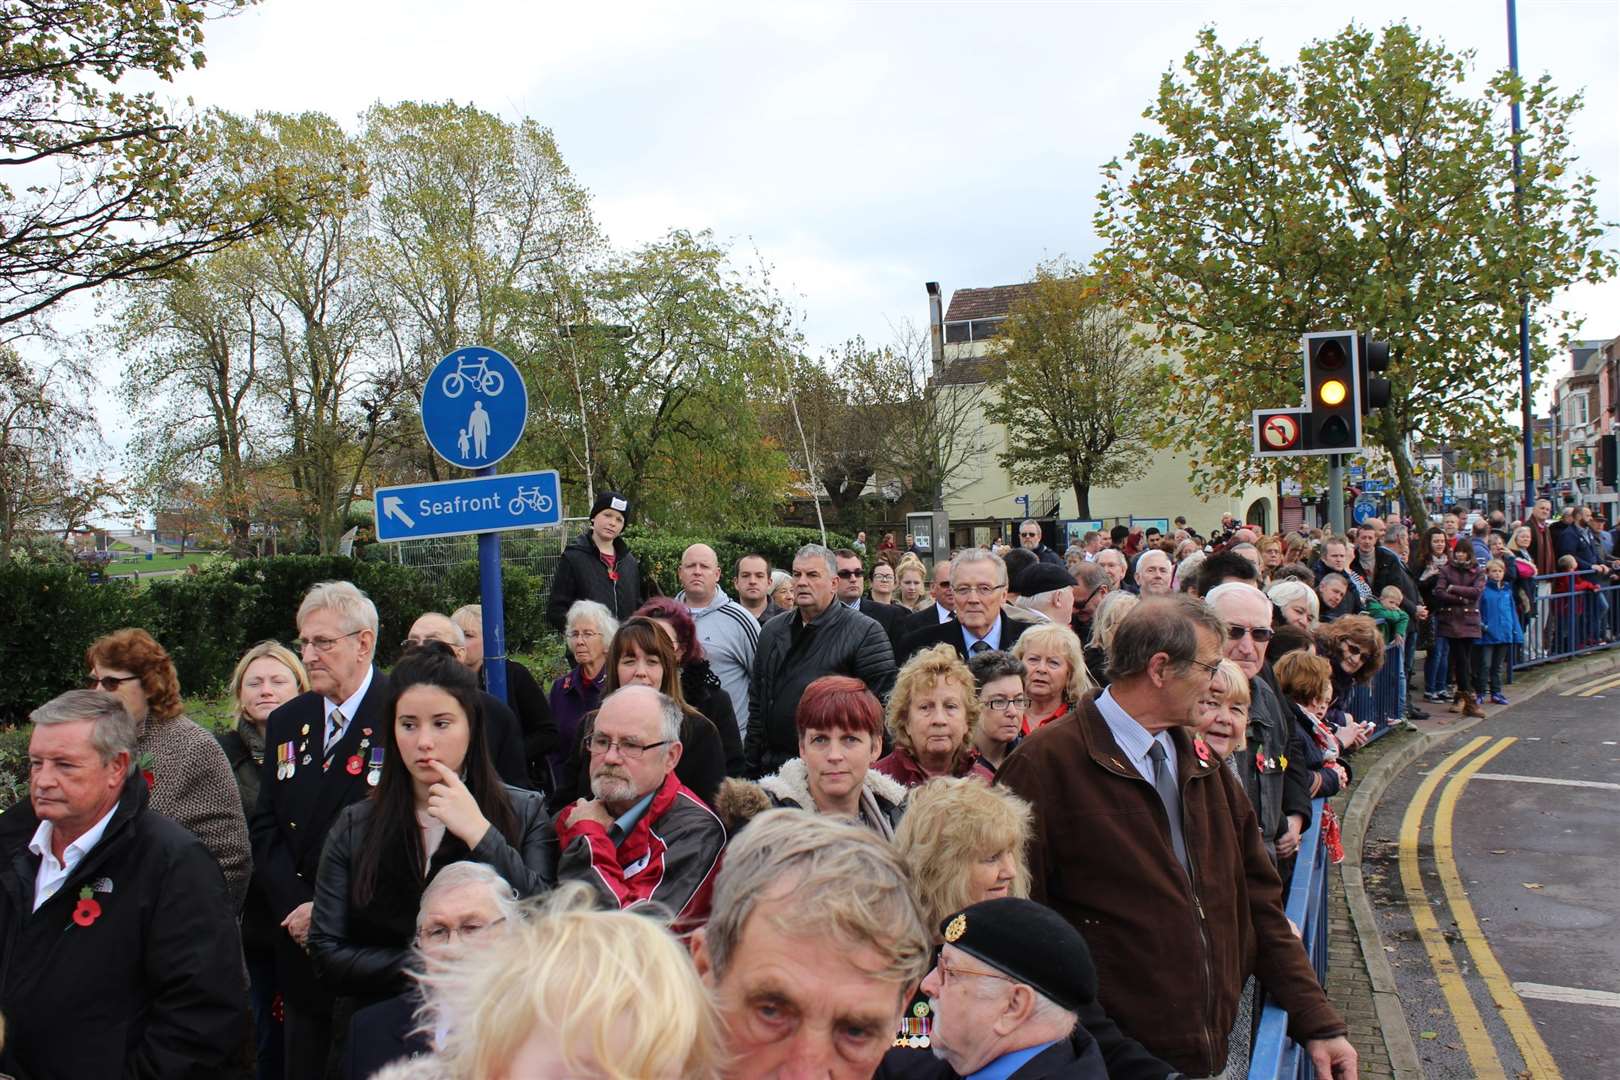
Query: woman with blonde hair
x=1056 y=677
x=1112 y=612
x=573 y=991
x=933 y=711
x=963 y=841
x=913 y=578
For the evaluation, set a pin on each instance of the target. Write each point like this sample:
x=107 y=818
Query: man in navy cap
x=1006 y=992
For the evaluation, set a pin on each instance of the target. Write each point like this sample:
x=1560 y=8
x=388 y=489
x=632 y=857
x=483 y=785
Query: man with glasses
x=823 y=637
x=1153 y=853
x=1029 y=538
x=642 y=837
x=979 y=582
x=851 y=581
x=317 y=750
x=1274 y=775
x=465 y=902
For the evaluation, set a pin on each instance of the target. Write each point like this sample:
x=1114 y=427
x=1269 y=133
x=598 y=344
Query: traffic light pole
x=1336 y=494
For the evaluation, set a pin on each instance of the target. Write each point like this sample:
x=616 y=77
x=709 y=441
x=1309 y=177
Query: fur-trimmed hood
x=740 y=801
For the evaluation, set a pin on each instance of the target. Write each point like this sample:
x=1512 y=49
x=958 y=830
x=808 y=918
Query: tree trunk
x=1393 y=445
x=1082 y=500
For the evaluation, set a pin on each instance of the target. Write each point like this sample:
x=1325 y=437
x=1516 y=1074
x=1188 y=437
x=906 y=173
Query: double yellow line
x=1593 y=687
x=1471 y=1029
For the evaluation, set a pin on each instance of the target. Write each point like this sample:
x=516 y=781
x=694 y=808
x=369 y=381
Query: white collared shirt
x=944 y=616
x=52 y=874
x=1133 y=739
x=349 y=707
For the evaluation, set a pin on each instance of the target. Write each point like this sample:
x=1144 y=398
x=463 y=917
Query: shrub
x=659 y=552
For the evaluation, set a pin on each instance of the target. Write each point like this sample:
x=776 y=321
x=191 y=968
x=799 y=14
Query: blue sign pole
x=489 y=585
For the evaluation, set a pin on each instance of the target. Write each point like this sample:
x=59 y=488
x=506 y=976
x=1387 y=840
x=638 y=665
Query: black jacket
x=888 y=616
x=1389 y=570
x=581 y=575
x=382 y=1034
x=505 y=741
x=792 y=655
x=289 y=824
x=950 y=633
x=1076 y=1058
x=362 y=951
x=152 y=987
x=702 y=689
x=525 y=698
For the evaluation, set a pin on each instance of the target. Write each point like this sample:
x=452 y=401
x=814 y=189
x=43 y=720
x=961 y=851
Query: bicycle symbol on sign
x=533 y=498
x=489 y=383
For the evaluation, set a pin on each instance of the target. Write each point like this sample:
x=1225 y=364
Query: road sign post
x=474 y=406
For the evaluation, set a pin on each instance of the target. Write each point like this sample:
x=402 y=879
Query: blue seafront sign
x=478 y=504
x=474 y=406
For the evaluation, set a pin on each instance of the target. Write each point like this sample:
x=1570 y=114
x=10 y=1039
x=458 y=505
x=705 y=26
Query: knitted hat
x=610 y=500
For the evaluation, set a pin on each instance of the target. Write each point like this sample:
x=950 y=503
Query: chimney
x=936 y=325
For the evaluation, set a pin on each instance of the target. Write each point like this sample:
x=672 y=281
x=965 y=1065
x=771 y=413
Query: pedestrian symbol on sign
x=474 y=406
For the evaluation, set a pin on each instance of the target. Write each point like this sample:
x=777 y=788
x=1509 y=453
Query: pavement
x=1479 y=863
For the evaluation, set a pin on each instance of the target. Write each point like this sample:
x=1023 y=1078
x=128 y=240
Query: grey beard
x=613 y=789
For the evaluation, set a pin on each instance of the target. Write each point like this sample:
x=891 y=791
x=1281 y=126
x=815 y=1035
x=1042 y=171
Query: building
x=985 y=498
x=1583 y=415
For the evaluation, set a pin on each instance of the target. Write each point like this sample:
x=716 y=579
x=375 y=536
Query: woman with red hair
x=840 y=726
x=187 y=772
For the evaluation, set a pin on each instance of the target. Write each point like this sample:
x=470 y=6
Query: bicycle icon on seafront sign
x=532 y=498
x=489 y=383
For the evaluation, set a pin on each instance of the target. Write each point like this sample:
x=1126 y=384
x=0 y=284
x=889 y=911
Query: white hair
x=816 y=551
x=462 y=874
x=978 y=555
x=1229 y=588
x=589 y=611
x=353 y=608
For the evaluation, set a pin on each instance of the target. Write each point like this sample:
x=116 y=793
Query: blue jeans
x=1435 y=666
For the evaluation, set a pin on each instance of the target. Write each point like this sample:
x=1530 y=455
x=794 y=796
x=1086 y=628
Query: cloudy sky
x=862 y=149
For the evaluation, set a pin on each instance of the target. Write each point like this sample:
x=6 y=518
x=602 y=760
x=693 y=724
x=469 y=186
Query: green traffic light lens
x=1332 y=392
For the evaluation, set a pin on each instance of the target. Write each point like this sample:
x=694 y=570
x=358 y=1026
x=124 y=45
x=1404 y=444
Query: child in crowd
x=1500 y=632
x=1306 y=682
x=1387 y=612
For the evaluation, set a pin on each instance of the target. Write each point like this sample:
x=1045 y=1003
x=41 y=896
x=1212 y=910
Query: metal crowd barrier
x=1569 y=618
x=1275 y=1056
x=1383 y=701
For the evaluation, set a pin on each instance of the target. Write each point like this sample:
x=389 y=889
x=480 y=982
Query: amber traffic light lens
x=1332 y=392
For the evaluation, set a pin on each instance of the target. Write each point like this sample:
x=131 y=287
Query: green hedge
x=659 y=553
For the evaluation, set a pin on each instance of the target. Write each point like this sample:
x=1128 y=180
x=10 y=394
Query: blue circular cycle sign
x=474 y=406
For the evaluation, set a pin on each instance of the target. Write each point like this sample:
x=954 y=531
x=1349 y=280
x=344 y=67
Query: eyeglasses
x=848 y=575
x=599 y=745
x=1261 y=634
x=582 y=635
x=322 y=644
x=439 y=935
x=948 y=973
x=1002 y=704
x=109 y=683
x=985 y=591
x=1213 y=669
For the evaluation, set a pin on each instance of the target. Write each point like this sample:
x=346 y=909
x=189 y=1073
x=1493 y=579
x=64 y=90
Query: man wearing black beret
x=1006 y=990
x=1046 y=589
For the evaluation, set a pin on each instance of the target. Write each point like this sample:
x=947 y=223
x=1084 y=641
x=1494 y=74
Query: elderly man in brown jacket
x=1153 y=853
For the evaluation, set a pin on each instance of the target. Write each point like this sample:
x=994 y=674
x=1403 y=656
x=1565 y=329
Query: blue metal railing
x=1383 y=701
x=1569 y=619
x=1275 y=1056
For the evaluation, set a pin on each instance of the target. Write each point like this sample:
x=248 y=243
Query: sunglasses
x=1261 y=634
x=849 y=575
x=109 y=683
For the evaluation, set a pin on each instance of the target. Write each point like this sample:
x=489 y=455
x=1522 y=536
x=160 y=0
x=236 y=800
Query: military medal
x=305 y=760
x=375 y=775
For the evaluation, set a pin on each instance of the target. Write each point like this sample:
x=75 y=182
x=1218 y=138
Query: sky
x=860 y=149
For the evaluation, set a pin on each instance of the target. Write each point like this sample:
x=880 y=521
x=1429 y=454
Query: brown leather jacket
x=1171 y=957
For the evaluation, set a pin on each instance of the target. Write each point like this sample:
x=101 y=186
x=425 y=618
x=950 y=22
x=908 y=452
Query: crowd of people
x=1018 y=814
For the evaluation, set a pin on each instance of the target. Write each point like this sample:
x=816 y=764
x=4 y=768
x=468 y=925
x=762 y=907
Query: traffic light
x=1333 y=424
x=1374 y=357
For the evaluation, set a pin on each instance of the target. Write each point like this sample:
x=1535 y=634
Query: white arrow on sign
x=393 y=506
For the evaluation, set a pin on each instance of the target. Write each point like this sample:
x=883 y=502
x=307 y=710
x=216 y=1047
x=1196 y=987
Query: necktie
x=978 y=647
x=334 y=728
x=1164 y=782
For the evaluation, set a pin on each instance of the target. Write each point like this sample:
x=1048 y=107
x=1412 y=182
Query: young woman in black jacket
x=436 y=800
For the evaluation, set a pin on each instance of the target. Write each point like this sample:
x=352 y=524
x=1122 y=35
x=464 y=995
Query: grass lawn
x=143 y=565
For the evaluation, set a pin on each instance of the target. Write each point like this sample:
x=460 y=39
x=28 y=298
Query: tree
x=193 y=343
x=42 y=426
x=103 y=184
x=1360 y=187
x=1078 y=398
x=834 y=420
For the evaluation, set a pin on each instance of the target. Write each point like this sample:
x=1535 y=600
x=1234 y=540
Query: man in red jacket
x=643 y=837
x=1135 y=845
